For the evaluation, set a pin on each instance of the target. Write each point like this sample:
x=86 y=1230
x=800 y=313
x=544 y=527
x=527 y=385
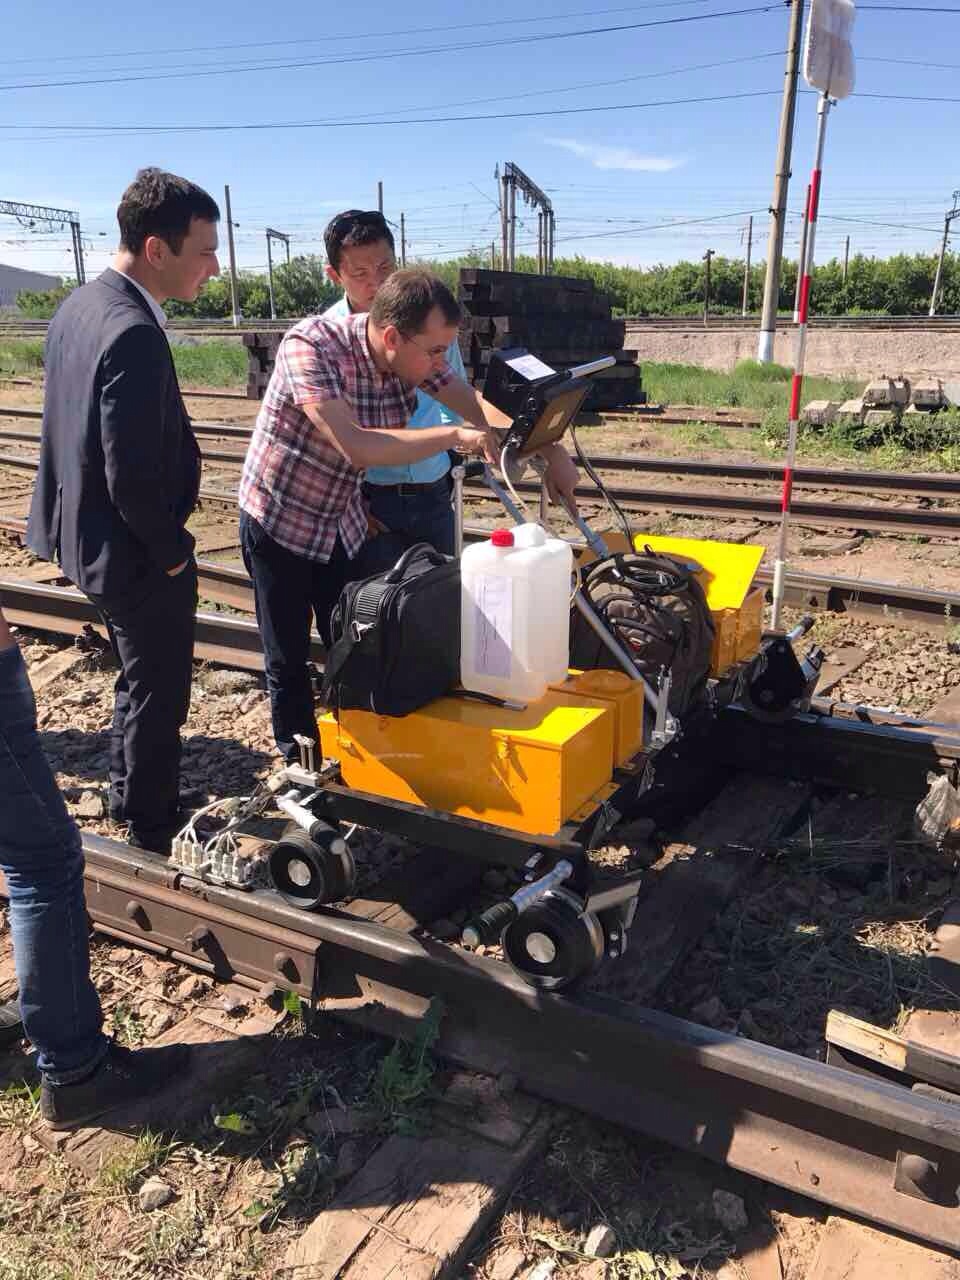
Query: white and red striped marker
x=806 y=267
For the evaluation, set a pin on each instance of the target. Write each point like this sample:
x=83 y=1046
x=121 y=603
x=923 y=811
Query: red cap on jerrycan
x=502 y=538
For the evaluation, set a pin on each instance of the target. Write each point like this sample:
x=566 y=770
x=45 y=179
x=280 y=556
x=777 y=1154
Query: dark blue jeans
x=42 y=860
x=289 y=591
x=417 y=512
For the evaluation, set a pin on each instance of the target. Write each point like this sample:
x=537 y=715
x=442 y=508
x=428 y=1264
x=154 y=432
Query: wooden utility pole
x=846 y=258
x=746 y=269
x=954 y=213
x=706 y=284
x=493 y=256
x=781 y=183
x=380 y=196
x=403 y=240
x=234 y=289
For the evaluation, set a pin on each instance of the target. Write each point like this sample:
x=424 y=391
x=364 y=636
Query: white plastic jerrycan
x=515 y=613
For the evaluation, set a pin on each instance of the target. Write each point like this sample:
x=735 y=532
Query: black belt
x=408 y=488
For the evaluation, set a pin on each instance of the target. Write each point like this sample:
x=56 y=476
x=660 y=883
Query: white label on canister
x=494 y=619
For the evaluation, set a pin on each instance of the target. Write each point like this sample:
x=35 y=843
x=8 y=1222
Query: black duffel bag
x=395 y=637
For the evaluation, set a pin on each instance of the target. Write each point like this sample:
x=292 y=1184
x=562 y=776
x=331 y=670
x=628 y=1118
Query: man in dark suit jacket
x=119 y=475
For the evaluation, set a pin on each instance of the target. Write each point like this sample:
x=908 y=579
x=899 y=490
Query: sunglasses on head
x=363 y=217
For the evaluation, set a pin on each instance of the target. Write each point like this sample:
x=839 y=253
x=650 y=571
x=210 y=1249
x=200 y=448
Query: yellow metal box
x=625 y=699
x=727 y=577
x=528 y=769
x=724 y=652
x=750 y=624
x=728 y=567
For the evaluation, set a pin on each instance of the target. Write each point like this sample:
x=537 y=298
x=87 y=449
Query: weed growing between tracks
x=403 y=1081
x=211 y=364
x=838 y=917
x=664 y=1225
x=918 y=442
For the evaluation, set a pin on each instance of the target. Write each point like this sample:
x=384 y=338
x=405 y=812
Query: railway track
x=888 y=603
x=929 y=324
x=921 y=521
x=842 y=1138
x=29 y=328
x=838 y=1137
x=914 y=483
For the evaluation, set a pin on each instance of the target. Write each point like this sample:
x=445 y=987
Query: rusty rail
x=841 y=1138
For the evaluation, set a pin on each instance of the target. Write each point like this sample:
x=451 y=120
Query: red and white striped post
x=810 y=215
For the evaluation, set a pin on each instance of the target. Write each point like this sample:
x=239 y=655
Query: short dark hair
x=161 y=204
x=408 y=297
x=352 y=228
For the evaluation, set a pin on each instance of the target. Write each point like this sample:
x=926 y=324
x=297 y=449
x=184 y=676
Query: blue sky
x=610 y=172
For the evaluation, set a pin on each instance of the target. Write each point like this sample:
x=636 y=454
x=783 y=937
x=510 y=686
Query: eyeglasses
x=435 y=353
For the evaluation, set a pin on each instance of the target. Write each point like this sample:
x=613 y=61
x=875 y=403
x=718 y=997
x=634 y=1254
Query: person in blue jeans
x=84 y=1073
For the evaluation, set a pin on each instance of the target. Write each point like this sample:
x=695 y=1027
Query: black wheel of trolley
x=307 y=874
x=555 y=942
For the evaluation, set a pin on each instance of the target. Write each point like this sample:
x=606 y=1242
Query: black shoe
x=11 y=1025
x=123 y=1077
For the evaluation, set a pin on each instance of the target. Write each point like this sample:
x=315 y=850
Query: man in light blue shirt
x=411 y=501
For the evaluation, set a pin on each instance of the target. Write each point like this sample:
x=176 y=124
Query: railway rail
x=921 y=521
x=929 y=324
x=28 y=327
x=914 y=483
x=892 y=604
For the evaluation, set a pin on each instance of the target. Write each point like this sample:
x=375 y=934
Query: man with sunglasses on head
x=337 y=403
x=411 y=500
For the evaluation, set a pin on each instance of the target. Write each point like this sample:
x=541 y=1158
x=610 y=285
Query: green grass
x=209 y=364
x=921 y=442
x=927 y=442
x=20 y=356
x=763 y=388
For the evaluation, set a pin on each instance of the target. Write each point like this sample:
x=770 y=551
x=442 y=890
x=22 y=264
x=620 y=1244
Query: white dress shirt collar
x=155 y=307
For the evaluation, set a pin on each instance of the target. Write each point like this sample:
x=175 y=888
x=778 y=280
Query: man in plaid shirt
x=338 y=402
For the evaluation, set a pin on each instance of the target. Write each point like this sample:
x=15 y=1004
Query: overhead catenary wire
x=353 y=35
x=393 y=54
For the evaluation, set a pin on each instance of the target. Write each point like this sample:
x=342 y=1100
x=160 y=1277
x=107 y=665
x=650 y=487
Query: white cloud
x=602 y=157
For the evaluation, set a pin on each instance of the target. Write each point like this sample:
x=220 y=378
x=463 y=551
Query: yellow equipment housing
x=727 y=580
x=532 y=769
x=529 y=769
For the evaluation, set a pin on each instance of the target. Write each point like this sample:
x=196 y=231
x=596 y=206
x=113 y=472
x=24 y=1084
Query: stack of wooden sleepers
x=562 y=319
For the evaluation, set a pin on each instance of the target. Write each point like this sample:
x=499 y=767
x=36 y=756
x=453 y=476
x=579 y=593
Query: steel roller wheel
x=308 y=874
x=555 y=942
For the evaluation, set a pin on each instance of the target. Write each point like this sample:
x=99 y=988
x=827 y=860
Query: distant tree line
x=899 y=285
